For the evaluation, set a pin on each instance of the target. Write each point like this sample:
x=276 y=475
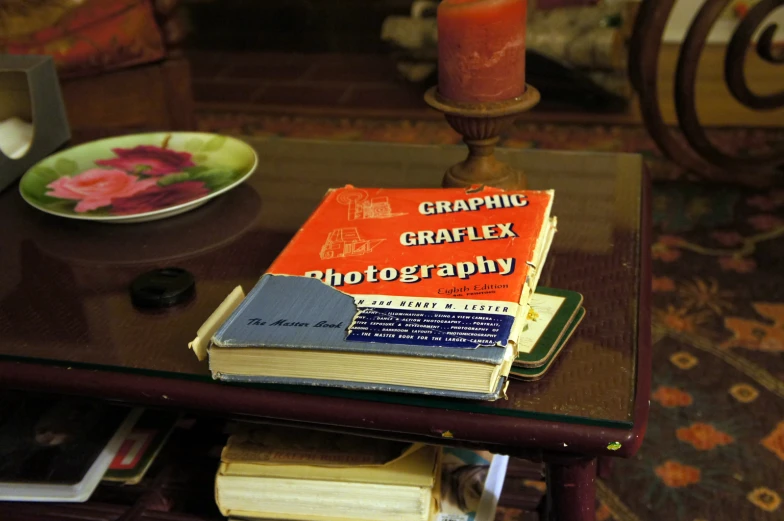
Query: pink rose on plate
x=148 y=160
x=159 y=197
x=97 y=187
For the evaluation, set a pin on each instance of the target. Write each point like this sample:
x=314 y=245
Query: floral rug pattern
x=715 y=444
x=714 y=450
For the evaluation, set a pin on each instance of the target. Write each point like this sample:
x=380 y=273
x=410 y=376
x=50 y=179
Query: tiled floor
x=337 y=85
x=321 y=83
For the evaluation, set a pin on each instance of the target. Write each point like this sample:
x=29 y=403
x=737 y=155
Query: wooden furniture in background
x=696 y=152
x=119 y=63
x=145 y=98
x=148 y=97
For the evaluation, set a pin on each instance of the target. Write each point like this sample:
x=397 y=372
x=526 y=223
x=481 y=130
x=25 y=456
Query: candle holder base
x=481 y=125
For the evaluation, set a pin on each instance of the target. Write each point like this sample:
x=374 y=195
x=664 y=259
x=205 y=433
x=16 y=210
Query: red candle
x=481 y=49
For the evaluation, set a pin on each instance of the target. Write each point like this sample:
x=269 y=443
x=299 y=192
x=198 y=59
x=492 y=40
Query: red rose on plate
x=97 y=187
x=159 y=197
x=148 y=160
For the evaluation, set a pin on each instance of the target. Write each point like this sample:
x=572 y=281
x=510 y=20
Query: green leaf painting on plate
x=65 y=166
x=34 y=184
x=194 y=144
x=173 y=178
x=137 y=175
x=217 y=179
x=214 y=144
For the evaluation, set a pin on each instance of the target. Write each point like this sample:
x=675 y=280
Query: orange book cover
x=450 y=267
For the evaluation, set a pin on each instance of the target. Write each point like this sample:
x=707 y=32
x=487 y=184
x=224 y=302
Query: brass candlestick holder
x=481 y=125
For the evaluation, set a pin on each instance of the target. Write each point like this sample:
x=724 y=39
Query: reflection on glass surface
x=64 y=284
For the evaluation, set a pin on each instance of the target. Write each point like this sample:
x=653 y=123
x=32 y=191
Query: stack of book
x=282 y=473
x=278 y=473
x=57 y=448
x=552 y=319
x=60 y=448
x=426 y=291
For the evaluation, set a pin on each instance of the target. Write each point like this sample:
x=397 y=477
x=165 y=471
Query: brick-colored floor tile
x=387 y=97
x=267 y=71
x=271 y=58
x=223 y=92
x=309 y=95
x=355 y=69
x=208 y=65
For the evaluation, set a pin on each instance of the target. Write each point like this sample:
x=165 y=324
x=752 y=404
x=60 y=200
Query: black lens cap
x=162 y=288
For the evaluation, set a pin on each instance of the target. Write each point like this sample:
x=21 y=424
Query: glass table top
x=64 y=294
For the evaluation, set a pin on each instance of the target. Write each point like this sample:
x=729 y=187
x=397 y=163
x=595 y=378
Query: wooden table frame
x=570 y=450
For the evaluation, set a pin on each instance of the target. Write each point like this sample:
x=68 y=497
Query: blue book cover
x=302 y=314
x=306 y=314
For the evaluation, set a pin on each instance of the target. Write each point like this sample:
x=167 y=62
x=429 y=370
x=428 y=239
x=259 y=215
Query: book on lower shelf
x=141 y=446
x=401 y=290
x=270 y=472
x=55 y=448
x=281 y=473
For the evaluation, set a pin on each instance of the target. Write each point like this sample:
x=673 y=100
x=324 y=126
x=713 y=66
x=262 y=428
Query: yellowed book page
x=278 y=445
x=301 y=499
x=239 y=515
x=416 y=469
x=200 y=344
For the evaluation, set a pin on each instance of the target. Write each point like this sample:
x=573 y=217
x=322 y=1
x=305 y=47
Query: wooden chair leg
x=571 y=490
x=605 y=468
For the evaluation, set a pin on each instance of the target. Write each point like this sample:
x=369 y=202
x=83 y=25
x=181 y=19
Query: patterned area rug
x=715 y=445
x=714 y=450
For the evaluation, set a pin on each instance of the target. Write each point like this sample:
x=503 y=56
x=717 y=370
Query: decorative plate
x=139 y=177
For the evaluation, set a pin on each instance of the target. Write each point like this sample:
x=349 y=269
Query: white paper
x=546 y=306
x=16 y=136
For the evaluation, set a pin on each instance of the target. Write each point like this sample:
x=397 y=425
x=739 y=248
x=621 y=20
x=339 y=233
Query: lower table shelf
x=179 y=486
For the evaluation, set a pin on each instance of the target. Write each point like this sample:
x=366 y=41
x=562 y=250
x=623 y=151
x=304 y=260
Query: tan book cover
x=284 y=445
x=277 y=452
x=284 y=473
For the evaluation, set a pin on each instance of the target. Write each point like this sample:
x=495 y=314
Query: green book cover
x=534 y=373
x=141 y=446
x=552 y=311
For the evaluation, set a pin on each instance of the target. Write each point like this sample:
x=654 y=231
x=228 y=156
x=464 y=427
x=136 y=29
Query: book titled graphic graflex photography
x=416 y=290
